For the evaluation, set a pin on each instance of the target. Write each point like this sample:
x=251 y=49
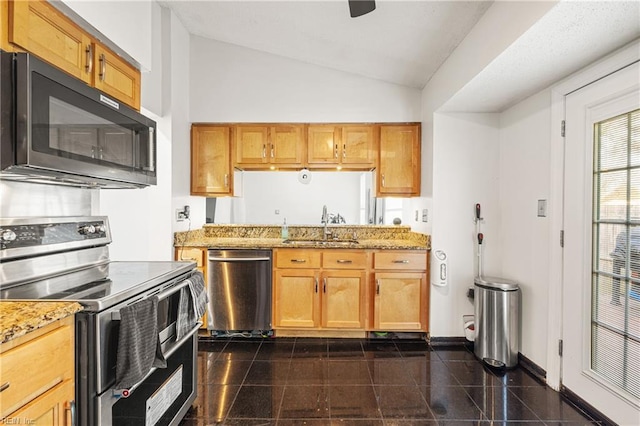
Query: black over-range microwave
x=56 y=129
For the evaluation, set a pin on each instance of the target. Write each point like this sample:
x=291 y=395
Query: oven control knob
x=100 y=229
x=8 y=235
x=87 y=230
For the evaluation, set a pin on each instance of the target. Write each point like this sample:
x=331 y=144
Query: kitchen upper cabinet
x=341 y=146
x=115 y=77
x=44 y=392
x=401 y=298
x=398 y=172
x=263 y=147
x=211 y=171
x=39 y=28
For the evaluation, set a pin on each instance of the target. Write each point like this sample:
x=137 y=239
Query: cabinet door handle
x=103 y=67
x=400 y=261
x=377 y=286
x=272 y=151
x=264 y=151
x=383 y=180
x=89 y=51
x=226 y=180
x=316 y=284
x=298 y=260
x=335 y=151
x=344 y=151
x=72 y=411
x=344 y=261
x=324 y=285
x=5 y=386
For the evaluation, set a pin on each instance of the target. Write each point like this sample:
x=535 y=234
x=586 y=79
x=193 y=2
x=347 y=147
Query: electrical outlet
x=183 y=214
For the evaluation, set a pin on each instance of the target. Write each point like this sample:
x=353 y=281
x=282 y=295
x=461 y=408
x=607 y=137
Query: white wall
x=525 y=170
x=126 y=23
x=231 y=83
x=465 y=172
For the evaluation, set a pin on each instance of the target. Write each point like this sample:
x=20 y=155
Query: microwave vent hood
x=54 y=177
x=58 y=130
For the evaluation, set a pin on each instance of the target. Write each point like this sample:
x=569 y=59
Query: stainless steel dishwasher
x=239 y=291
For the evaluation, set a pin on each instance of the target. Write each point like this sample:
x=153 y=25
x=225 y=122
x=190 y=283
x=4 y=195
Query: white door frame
x=610 y=64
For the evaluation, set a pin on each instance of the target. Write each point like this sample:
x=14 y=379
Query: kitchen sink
x=321 y=242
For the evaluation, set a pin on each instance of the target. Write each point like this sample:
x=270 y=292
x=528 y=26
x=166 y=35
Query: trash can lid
x=496 y=283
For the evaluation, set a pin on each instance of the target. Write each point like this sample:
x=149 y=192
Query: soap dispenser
x=285 y=230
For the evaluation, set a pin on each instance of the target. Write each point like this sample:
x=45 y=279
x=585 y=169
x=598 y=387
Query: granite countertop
x=19 y=318
x=303 y=236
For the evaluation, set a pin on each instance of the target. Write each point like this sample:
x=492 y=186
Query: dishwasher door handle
x=239 y=259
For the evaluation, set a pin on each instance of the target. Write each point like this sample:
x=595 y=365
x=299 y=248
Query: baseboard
x=589 y=409
x=447 y=341
x=533 y=368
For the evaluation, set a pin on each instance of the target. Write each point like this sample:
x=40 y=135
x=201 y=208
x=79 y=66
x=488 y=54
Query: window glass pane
x=613 y=147
x=613 y=195
x=615 y=301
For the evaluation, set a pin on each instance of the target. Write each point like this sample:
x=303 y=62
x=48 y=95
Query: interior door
x=601 y=338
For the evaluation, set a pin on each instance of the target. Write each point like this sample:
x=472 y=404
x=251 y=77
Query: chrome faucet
x=325 y=220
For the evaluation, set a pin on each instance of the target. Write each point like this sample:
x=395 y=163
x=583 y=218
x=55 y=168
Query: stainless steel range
x=67 y=259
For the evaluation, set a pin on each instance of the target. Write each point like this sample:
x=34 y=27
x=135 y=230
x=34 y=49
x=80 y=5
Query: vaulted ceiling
x=405 y=42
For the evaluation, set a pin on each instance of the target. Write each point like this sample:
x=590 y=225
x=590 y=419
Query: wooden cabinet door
x=287 y=145
x=322 y=145
x=296 y=298
x=40 y=29
x=50 y=409
x=400 y=301
x=251 y=145
x=116 y=77
x=343 y=299
x=399 y=162
x=211 y=161
x=357 y=148
x=200 y=256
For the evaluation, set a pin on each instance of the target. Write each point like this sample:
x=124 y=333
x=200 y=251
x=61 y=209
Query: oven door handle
x=115 y=315
x=125 y=393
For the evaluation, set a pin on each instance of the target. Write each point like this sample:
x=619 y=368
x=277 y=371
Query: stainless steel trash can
x=497 y=321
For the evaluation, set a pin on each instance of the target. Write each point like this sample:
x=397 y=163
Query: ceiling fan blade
x=361 y=7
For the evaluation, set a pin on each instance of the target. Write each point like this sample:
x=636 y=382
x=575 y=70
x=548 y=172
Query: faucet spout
x=326 y=232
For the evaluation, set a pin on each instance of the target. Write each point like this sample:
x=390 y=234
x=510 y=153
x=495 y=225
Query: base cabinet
x=342 y=299
x=198 y=255
x=296 y=299
x=399 y=301
x=37 y=376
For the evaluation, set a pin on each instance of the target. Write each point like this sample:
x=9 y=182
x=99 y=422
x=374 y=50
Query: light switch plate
x=425 y=215
x=542 y=208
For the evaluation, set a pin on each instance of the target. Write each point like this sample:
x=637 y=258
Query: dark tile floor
x=364 y=382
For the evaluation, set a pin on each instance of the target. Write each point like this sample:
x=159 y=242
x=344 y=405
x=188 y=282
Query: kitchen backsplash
x=20 y=199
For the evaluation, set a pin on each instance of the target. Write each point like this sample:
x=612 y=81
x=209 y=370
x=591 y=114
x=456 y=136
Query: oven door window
x=69 y=125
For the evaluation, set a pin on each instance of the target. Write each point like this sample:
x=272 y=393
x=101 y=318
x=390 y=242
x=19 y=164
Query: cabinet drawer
x=408 y=260
x=196 y=254
x=42 y=358
x=297 y=258
x=340 y=259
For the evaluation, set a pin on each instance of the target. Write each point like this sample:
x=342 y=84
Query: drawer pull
x=298 y=260
x=400 y=261
x=5 y=386
x=344 y=261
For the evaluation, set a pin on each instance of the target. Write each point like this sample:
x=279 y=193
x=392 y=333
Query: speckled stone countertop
x=19 y=318
x=304 y=236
